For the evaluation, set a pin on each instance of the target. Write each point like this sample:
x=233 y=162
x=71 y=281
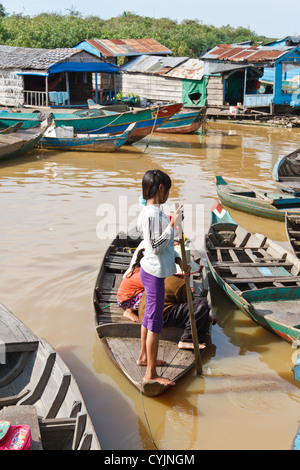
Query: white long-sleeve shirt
x=159 y=256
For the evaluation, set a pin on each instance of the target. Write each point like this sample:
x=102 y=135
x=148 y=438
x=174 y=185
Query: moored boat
x=121 y=337
x=286 y=173
x=98 y=121
x=60 y=138
x=260 y=276
x=263 y=204
x=184 y=122
x=36 y=385
x=292 y=226
x=17 y=143
x=28 y=120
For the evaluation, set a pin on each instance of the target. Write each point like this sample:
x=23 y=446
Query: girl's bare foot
x=159 y=379
x=183 y=345
x=131 y=315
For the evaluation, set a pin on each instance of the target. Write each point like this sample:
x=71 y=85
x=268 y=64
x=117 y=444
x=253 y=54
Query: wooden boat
x=261 y=277
x=286 y=173
x=36 y=383
x=28 y=120
x=183 y=122
x=97 y=121
x=121 y=337
x=11 y=129
x=292 y=226
x=60 y=138
x=263 y=204
x=23 y=140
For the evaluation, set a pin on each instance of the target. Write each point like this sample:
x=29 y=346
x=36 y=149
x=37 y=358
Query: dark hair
x=151 y=181
x=137 y=262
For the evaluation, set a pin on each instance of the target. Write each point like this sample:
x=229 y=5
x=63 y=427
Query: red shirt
x=130 y=286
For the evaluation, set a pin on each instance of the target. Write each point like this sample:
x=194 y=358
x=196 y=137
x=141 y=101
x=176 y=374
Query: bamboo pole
x=190 y=305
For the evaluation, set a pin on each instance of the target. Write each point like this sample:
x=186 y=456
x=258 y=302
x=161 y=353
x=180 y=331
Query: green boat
x=260 y=276
x=263 y=204
x=28 y=120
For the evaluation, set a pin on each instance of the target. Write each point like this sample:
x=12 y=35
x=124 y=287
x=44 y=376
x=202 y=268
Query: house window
x=290 y=79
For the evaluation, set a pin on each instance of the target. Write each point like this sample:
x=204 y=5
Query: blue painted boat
x=183 y=122
x=260 y=276
x=263 y=204
x=60 y=138
x=97 y=121
x=296 y=441
x=28 y=120
x=286 y=173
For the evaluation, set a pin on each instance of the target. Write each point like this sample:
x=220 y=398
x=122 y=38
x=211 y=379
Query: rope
x=147 y=145
x=147 y=419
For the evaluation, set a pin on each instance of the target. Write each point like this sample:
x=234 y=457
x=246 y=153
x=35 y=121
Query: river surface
x=53 y=210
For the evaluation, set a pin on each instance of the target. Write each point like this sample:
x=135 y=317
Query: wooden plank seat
x=288 y=279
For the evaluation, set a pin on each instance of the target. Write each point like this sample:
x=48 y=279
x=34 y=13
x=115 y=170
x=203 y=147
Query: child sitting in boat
x=131 y=289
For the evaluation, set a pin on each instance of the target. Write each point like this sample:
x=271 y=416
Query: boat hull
x=183 y=123
x=258 y=206
x=147 y=120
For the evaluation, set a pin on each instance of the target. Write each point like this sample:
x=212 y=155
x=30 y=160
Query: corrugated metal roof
x=33 y=59
x=192 y=69
x=238 y=53
x=128 y=47
x=152 y=64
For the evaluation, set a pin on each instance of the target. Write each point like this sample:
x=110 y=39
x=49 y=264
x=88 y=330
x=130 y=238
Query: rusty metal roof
x=192 y=69
x=152 y=64
x=240 y=53
x=128 y=47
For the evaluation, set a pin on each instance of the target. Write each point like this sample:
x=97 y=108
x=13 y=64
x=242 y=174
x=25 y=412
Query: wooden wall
x=152 y=87
x=11 y=88
x=215 y=91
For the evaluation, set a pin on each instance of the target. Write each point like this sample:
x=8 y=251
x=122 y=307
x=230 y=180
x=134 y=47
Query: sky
x=265 y=17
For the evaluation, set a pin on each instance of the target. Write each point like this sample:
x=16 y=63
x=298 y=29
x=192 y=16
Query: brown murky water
x=50 y=256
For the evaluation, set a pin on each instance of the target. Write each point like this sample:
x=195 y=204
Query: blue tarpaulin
x=101 y=67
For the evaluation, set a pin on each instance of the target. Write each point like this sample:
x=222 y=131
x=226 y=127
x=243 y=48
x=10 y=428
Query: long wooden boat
x=28 y=120
x=292 y=226
x=68 y=140
x=15 y=144
x=97 y=121
x=183 y=122
x=33 y=377
x=286 y=173
x=121 y=337
x=263 y=204
x=261 y=277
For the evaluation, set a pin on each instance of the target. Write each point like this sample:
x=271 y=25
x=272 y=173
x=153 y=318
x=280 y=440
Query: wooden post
x=190 y=305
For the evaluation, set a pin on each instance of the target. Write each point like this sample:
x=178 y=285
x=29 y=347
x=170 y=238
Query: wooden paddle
x=190 y=304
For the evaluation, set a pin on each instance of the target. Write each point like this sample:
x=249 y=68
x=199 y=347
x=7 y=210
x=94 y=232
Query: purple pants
x=154 y=299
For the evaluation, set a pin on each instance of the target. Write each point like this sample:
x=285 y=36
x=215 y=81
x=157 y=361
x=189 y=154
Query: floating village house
x=117 y=52
x=158 y=78
x=254 y=76
x=43 y=77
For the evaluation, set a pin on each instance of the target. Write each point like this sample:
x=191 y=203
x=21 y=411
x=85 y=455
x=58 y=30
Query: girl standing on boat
x=157 y=264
